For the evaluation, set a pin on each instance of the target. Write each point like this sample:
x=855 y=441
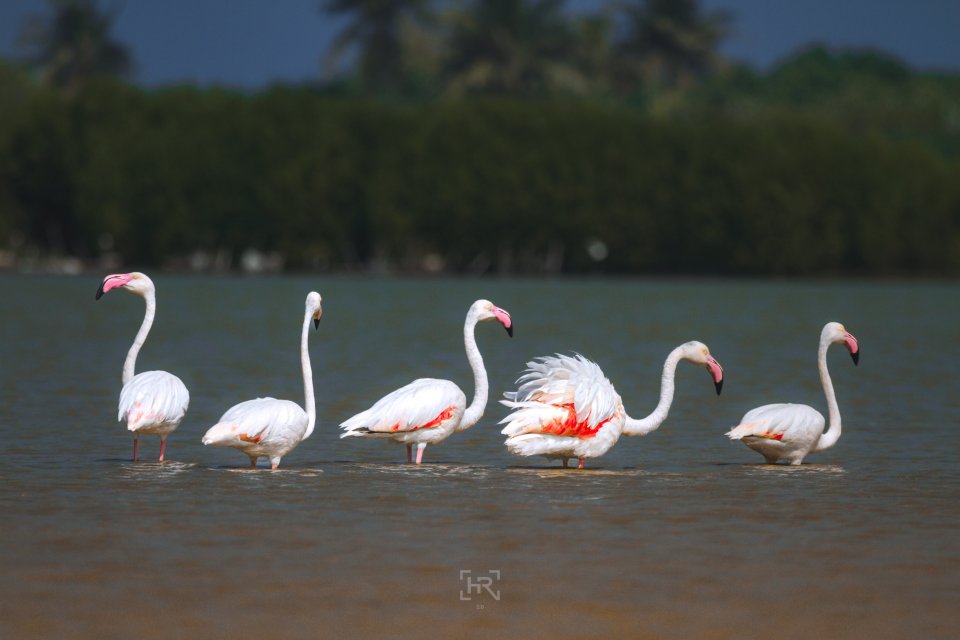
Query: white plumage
x=566 y=408
x=428 y=410
x=152 y=402
x=790 y=431
x=267 y=426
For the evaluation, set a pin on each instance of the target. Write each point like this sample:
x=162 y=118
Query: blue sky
x=253 y=43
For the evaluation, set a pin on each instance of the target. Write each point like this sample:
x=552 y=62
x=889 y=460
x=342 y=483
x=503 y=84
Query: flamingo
x=428 y=410
x=791 y=431
x=565 y=407
x=267 y=426
x=152 y=402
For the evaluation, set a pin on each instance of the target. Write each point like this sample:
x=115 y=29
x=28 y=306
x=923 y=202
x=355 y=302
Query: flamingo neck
x=642 y=427
x=474 y=412
x=832 y=434
x=309 y=402
x=131 y=362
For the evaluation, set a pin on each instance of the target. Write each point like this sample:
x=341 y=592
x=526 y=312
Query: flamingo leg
x=163 y=447
x=136 y=440
x=580 y=466
x=409 y=453
x=566 y=463
x=253 y=462
x=420 y=448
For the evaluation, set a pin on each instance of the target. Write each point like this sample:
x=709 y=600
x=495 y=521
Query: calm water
x=678 y=534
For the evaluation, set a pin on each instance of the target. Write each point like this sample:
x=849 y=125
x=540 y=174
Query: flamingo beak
x=99 y=292
x=316 y=320
x=853 y=347
x=716 y=371
x=112 y=282
x=503 y=318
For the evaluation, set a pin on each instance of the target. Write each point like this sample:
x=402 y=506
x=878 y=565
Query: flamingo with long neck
x=790 y=431
x=429 y=410
x=152 y=402
x=565 y=407
x=267 y=426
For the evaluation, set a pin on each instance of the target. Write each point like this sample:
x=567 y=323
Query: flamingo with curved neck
x=267 y=426
x=565 y=407
x=152 y=402
x=429 y=410
x=790 y=431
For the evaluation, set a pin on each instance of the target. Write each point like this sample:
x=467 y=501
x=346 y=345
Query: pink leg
x=163 y=447
x=253 y=462
x=136 y=439
x=409 y=453
x=420 y=448
x=580 y=466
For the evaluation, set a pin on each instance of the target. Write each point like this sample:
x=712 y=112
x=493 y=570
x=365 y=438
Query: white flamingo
x=267 y=426
x=428 y=410
x=152 y=402
x=565 y=407
x=791 y=431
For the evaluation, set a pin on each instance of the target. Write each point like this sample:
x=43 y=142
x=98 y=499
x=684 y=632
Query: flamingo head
x=699 y=353
x=314 y=308
x=836 y=332
x=134 y=282
x=484 y=310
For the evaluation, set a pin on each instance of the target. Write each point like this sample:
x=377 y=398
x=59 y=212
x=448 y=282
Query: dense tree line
x=481 y=185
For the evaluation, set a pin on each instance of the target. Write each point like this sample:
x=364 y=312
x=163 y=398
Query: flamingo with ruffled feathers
x=151 y=402
x=788 y=431
x=566 y=408
x=429 y=410
x=267 y=426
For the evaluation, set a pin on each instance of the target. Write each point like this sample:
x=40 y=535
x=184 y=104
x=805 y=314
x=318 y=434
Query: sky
x=251 y=44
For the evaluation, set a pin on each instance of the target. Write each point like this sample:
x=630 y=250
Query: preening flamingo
x=791 y=431
x=565 y=407
x=428 y=410
x=152 y=402
x=267 y=426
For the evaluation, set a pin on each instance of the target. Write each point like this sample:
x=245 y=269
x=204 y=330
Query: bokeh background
x=732 y=137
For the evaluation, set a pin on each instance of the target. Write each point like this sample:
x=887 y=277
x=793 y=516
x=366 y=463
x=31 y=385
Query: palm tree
x=514 y=47
x=376 y=27
x=73 y=44
x=667 y=43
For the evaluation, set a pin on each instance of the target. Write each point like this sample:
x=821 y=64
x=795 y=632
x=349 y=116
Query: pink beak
x=504 y=318
x=717 y=372
x=852 y=346
x=113 y=281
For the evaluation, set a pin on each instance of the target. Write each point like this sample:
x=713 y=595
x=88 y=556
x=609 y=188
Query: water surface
x=678 y=534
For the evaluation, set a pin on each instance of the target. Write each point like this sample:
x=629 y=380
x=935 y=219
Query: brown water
x=678 y=534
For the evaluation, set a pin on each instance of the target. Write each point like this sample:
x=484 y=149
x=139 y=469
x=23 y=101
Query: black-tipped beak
x=719 y=386
x=316 y=323
x=856 y=357
x=510 y=330
x=99 y=291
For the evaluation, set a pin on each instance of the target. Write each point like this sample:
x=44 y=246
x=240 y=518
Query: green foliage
x=482 y=185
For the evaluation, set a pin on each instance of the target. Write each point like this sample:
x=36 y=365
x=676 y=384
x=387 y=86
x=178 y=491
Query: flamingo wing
x=561 y=395
x=262 y=420
x=152 y=398
x=784 y=422
x=422 y=404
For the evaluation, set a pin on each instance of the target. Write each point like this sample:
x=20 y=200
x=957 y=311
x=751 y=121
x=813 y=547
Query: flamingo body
x=791 y=431
x=781 y=431
x=429 y=410
x=267 y=426
x=426 y=411
x=566 y=408
x=153 y=402
x=261 y=427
